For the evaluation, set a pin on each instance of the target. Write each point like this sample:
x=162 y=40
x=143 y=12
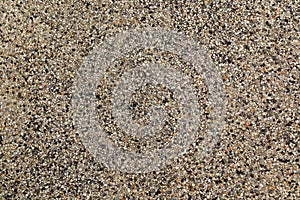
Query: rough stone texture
x=255 y=43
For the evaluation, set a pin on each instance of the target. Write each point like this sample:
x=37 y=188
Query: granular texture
x=254 y=44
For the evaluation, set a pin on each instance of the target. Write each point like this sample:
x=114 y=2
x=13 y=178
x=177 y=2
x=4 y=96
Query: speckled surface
x=254 y=43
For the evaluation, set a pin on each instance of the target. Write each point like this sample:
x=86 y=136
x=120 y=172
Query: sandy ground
x=253 y=44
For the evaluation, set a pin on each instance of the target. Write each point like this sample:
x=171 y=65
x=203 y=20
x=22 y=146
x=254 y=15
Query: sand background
x=256 y=46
